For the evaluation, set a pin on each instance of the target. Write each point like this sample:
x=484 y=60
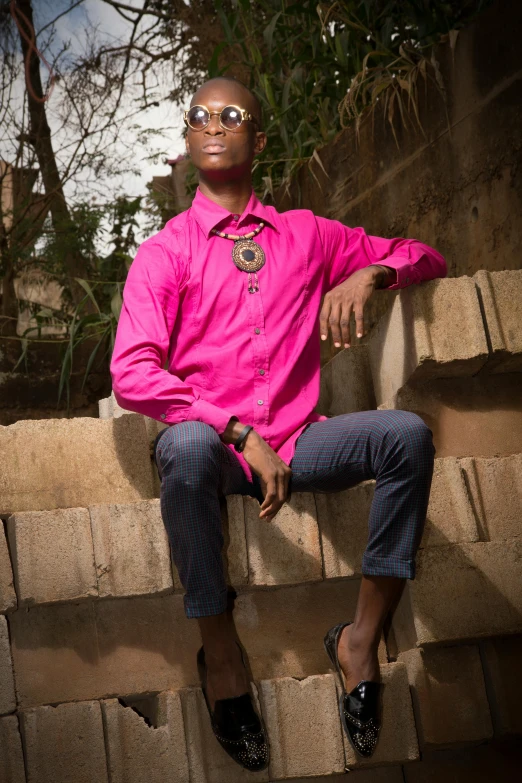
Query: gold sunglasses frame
x=245 y=117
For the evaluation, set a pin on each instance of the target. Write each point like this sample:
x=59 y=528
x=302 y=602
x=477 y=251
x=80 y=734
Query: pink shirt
x=194 y=345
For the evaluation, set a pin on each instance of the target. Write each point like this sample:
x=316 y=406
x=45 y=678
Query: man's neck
x=233 y=196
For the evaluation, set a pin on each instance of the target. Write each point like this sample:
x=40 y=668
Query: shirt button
x=261 y=372
x=260 y=402
x=163 y=416
x=407 y=279
x=236 y=217
x=257 y=331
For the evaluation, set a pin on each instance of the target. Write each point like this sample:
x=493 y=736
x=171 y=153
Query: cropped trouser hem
x=205 y=605
x=388 y=566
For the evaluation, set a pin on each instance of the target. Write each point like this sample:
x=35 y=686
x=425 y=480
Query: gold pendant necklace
x=247 y=255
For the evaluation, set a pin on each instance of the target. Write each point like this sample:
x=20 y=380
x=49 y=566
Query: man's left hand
x=351 y=296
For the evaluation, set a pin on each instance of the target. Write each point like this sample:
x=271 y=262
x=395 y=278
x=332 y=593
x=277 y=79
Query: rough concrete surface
x=346 y=383
x=302 y=720
x=462 y=591
x=416 y=341
x=70 y=463
x=343 y=523
x=235 y=549
x=449 y=695
x=7 y=591
x=7 y=690
x=285 y=550
x=131 y=549
x=450 y=512
x=142 y=750
x=65 y=744
x=496 y=492
x=53 y=556
x=501 y=659
x=501 y=295
x=11 y=755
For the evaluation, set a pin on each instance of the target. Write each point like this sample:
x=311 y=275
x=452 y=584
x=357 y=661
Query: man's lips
x=213 y=147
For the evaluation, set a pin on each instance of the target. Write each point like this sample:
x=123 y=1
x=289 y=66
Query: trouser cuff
x=388 y=566
x=208 y=605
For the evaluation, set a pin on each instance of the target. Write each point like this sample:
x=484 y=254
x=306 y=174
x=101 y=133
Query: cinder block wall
x=98 y=679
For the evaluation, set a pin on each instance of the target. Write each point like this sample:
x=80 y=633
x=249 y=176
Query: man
x=227 y=297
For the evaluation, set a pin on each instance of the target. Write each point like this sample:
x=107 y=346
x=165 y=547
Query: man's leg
x=195 y=467
x=396 y=449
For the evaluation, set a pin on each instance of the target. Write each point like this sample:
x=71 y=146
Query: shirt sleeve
x=348 y=249
x=139 y=380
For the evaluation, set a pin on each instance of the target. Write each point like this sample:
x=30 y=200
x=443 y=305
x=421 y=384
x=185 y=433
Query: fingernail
x=323 y=337
x=337 y=345
x=359 y=334
x=347 y=345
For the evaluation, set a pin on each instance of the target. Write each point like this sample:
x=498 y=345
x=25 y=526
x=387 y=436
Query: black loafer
x=237 y=726
x=359 y=709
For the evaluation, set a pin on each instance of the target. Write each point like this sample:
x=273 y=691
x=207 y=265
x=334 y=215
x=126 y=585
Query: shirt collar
x=208 y=214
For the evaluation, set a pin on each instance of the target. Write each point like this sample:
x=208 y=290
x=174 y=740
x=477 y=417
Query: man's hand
x=351 y=296
x=272 y=471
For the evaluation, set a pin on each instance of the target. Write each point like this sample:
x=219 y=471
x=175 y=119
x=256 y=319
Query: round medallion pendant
x=248 y=256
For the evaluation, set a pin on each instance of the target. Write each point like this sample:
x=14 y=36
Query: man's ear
x=260 y=142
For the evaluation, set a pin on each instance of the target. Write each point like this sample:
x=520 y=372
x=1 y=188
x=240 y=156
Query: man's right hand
x=273 y=473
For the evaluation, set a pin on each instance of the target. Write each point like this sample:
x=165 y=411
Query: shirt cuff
x=406 y=274
x=218 y=418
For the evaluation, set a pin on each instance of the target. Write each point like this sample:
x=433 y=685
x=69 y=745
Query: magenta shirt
x=194 y=345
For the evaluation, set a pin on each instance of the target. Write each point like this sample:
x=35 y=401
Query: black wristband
x=239 y=445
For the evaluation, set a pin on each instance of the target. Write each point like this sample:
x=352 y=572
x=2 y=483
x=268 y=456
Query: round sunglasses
x=230 y=117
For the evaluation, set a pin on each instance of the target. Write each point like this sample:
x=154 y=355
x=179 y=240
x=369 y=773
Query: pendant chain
x=247 y=255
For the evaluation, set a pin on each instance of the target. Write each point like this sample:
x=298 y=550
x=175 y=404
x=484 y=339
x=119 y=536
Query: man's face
x=219 y=151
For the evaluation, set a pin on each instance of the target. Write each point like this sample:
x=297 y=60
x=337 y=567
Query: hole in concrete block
x=147 y=708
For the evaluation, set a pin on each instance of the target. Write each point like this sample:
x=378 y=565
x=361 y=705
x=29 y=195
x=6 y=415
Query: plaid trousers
x=393 y=447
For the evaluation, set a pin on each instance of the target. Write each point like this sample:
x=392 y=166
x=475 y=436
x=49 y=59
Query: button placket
x=260 y=360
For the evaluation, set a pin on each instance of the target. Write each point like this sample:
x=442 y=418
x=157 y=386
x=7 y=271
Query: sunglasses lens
x=197 y=117
x=231 y=117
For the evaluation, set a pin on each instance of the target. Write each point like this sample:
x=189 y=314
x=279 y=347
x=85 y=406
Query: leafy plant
x=318 y=67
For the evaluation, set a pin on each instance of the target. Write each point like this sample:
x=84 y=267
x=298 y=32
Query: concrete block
x=68 y=463
x=501 y=660
x=377 y=775
x=133 y=646
x=7 y=591
x=146 y=741
x=131 y=549
x=501 y=295
x=346 y=383
x=417 y=341
x=449 y=695
x=450 y=513
x=302 y=720
x=65 y=743
x=7 y=690
x=12 y=768
x=398 y=738
x=235 y=549
x=343 y=522
x=483 y=764
x=496 y=491
x=462 y=591
x=208 y=762
x=53 y=556
x=285 y=550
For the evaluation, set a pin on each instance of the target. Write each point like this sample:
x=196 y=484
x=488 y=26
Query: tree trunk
x=40 y=137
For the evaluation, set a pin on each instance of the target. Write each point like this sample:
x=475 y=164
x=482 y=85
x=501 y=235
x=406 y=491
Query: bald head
x=226 y=90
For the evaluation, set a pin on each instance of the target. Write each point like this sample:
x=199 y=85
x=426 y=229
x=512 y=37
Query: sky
x=70 y=30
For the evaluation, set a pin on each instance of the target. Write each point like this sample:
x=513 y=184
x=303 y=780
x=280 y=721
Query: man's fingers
x=271 y=493
x=359 y=317
x=323 y=318
x=334 y=323
x=346 y=313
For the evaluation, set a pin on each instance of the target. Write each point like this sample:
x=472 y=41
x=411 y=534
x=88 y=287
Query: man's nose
x=213 y=127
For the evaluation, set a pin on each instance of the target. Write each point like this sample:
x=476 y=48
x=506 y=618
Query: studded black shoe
x=237 y=726
x=360 y=708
